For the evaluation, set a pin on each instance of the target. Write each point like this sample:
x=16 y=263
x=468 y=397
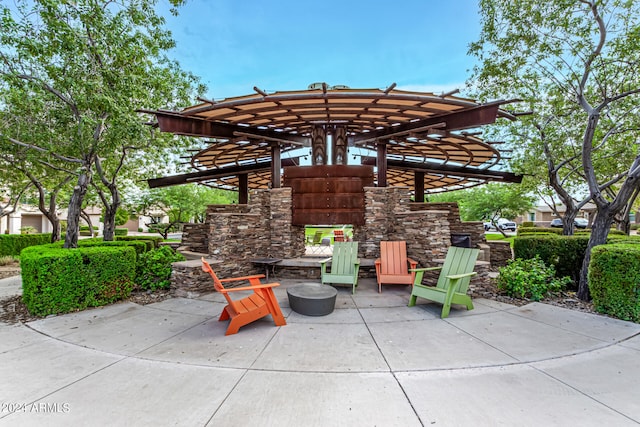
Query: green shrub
x=155 y=240
x=530 y=279
x=12 y=244
x=57 y=280
x=547 y=230
x=153 y=269
x=614 y=280
x=528 y=224
x=634 y=226
x=28 y=230
x=121 y=232
x=615 y=232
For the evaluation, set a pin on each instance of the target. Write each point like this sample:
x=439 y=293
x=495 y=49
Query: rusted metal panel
x=320 y=201
x=327 y=217
x=324 y=185
x=331 y=194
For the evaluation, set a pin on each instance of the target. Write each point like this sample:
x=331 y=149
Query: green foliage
x=73 y=75
x=563 y=253
x=56 y=280
x=614 y=280
x=530 y=279
x=154 y=268
x=121 y=231
x=527 y=224
x=489 y=202
x=12 y=244
x=155 y=240
x=28 y=230
x=532 y=230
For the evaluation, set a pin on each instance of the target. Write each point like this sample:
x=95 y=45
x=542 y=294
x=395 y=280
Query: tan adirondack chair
x=453 y=281
x=393 y=266
x=259 y=304
x=345 y=265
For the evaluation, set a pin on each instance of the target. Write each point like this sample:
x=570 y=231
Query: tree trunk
x=109 y=225
x=568 y=221
x=599 y=233
x=75 y=206
x=55 y=227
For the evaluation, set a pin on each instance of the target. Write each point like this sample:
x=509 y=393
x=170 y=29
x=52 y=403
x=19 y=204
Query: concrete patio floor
x=372 y=362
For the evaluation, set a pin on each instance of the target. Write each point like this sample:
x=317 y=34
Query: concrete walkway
x=372 y=362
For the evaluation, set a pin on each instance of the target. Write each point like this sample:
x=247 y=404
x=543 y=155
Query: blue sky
x=233 y=45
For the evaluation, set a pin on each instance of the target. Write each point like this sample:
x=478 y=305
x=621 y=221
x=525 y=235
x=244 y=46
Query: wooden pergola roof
x=421 y=131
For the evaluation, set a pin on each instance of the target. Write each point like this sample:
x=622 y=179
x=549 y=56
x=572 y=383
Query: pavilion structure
x=331 y=149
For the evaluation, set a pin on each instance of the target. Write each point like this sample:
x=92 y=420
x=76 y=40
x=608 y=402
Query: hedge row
x=614 y=280
x=57 y=280
x=12 y=244
x=530 y=230
x=154 y=239
x=564 y=253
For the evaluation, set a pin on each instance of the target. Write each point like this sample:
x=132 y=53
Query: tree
x=89 y=65
x=180 y=204
x=489 y=202
x=582 y=57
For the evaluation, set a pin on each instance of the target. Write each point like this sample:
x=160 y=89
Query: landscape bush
x=153 y=269
x=12 y=244
x=155 y=240
x=120 y=232
x=57 y=280
x=528 y=224
x=547 y=230
x=530 y=278
x=614 y=280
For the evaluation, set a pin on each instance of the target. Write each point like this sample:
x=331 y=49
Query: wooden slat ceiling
x=283 y=116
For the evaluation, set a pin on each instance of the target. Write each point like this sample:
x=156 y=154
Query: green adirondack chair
x=453 y=282
x=344 y=265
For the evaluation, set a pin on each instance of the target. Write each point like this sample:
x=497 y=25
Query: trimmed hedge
x=154 y=268
x=12 y=244
x=154 y=239
x=57 y=280
x=564 y=253
x=120 y=231
x=614 y=280
x=548 y=230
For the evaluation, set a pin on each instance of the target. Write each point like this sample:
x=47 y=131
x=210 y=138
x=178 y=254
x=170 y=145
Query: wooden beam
x=243 y=189
x=381 y=163
x=481 y=115
x=437 y=168
x=418 y=186
x=276 y=165
x=208 y=174
x=193 y=126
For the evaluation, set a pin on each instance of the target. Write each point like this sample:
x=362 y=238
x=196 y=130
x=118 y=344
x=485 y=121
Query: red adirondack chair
x=392 y=268
x=259 y=304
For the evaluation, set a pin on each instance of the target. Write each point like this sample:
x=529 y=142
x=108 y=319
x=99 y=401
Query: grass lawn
x=498 y=236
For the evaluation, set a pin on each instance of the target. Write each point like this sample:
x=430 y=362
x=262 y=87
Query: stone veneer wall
x=195 y=237
x=500 y=253
x=388 y=216
x=457 y=226
x=263 y=229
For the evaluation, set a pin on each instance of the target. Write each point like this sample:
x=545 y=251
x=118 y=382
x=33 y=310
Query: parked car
x=556 y=222
x=580 y=223
x=577 y=223
x=504 y=224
